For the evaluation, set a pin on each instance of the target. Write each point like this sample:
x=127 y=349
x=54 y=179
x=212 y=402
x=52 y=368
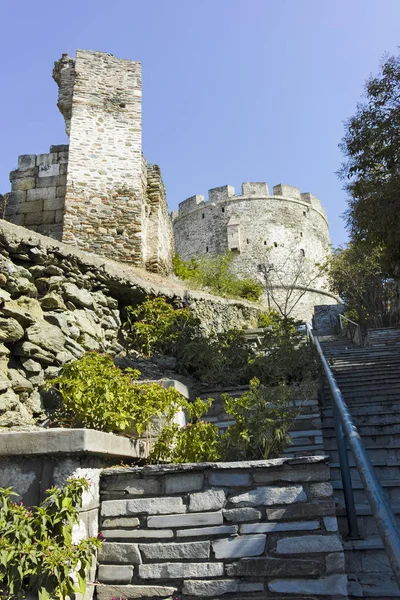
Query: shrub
x=220 y=359
x=214 y=273
x=37 y=555
x=197 y=442
x=156 y=327
x=98 y=395
x=263 y=417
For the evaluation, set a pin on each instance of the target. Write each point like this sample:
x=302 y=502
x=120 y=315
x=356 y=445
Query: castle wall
x=286 y=229
x=38 y=191
x=103 y=202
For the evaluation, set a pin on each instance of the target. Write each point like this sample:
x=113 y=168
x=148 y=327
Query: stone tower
x=282 y=235
x=97 y=193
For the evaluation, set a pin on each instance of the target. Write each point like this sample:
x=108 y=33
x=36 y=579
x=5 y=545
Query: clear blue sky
x=233 y=90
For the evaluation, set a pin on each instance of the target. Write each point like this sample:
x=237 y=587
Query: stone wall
x=37 y=193
x=286 y=231
x=98 y=193
x=231 y=530
x=57 y=302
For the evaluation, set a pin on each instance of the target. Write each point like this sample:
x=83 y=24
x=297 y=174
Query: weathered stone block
x=53 y=204
x=221 y=478
x=209 y=500
x=335 y=563
x=334 y=585
x=31 y=207
x=309 y=544
x=236 y=547
x=160 y=506
x=16 y=198
x=268 y=496
x=23 y=184
x=238 y=515
x=268 y=527
x=119 y=552
x=26 y=161
x=182 y=551
x=181 y=570
x=207 y=531
x=47 y=193
x=110 y=592
x=275 y=567
x=120 y=522
x=321 y=490
x=115 y=573
x=302 y=511
x=293 y=474
x=185 y=482
x=138 y=534
x=331 y=523
x=184 y=520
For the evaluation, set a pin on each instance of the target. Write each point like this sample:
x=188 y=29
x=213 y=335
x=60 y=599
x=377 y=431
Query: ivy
x=37 y=554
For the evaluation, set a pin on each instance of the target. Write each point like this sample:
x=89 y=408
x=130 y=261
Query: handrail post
x=351 y=513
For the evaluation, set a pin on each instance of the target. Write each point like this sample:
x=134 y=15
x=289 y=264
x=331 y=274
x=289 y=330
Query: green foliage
x=98 y=395
x=197 y=442
x=219 y=359
x=268 y=318
x=262 y=417
x=371 y=147
x=37 y=555
x=214 y=272
x=156 y=327
x=357 y=275
x=284 y=355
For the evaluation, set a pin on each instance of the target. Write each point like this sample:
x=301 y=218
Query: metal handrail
x=388 y=527
x=352 y=330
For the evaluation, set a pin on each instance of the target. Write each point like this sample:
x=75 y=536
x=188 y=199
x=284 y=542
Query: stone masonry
x=286 y=232
x=234 y=530
x=99 y=193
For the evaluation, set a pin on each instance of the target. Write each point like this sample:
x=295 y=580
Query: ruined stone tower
x=282 y=235
x=97 y=193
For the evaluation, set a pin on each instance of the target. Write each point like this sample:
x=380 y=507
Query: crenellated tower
x=281 y=233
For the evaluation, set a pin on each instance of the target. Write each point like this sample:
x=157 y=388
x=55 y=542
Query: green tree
x=357 y=275
x=371 y=169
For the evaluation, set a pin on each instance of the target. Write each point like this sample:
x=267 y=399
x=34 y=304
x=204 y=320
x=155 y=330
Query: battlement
x=255 y=189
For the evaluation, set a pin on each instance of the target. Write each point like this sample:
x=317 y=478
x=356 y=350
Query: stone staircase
x=369 y=379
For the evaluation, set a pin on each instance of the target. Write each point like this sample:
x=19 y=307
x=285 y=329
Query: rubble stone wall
x=232 y=530
x=37 y=193
x=57 y=302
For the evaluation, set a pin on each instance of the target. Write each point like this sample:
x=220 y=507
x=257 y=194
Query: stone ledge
x=273 y=463
x=69 y=441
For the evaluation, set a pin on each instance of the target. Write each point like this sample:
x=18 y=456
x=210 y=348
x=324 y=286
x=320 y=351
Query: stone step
x=375 y=441
x=375 y=454
x=381 y=419
x=365 y=430
x=386 y=472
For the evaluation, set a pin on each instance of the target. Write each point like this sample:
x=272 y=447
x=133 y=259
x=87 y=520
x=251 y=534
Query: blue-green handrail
x=387 y=525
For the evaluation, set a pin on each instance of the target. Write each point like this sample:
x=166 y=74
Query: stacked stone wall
x=160 y=245
x=37 y=193
x=232 y=530
x=260 y=229
x=57 y=302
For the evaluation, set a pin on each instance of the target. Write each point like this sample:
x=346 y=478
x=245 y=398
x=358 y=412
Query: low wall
x=233 y=530
x=57 y=302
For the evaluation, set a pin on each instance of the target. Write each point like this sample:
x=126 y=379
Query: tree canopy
x=371 y=169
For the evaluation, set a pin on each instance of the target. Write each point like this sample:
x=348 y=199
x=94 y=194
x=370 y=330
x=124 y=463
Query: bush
x=221 y=359
x=214 y=273
x=197 y=442
x=37 y=555
x=98 y=395
x=156 y=327
x=284 y=355
x=263 y=417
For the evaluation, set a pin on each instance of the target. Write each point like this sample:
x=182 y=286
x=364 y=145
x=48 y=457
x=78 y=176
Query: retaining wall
x=232 y=530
